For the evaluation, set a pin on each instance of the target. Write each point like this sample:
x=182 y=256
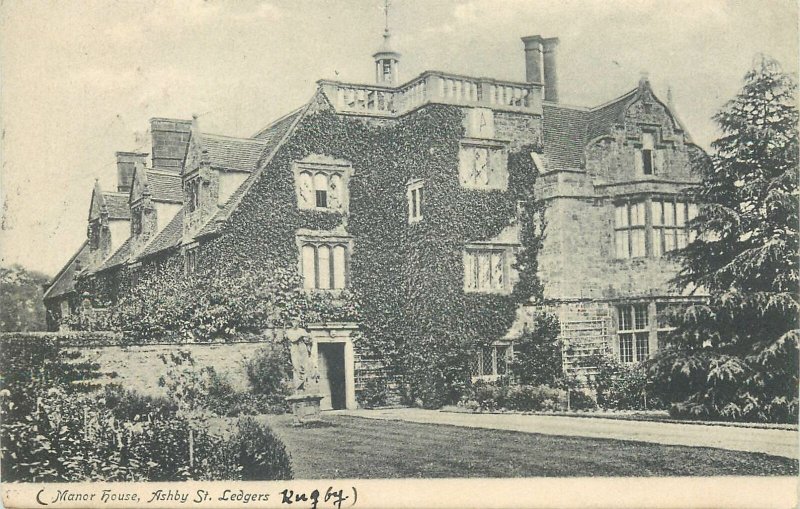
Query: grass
x=352 y=447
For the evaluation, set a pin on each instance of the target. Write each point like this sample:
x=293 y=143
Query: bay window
x=669 y=219
x=629 y=230
x=652 y=227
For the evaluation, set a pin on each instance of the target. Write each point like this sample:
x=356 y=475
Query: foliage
x=29 y=364
x=537 y=353
x=54 y=429
x=735 y=356
x=492 y=396
x=269 y=372
x=406 y=290
x=621 y=386
x=21 y=307
x=374 y=393
x=78 y=437
x=260 y=453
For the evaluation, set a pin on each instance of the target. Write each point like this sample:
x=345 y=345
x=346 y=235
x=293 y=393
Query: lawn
x=353 y=447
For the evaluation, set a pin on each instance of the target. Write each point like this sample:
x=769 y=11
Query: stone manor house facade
x=611 y=179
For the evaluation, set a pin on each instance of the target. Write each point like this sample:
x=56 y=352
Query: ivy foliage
x=736 y=356
x=405 y=280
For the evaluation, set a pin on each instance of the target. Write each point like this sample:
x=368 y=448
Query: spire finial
x=386 y=15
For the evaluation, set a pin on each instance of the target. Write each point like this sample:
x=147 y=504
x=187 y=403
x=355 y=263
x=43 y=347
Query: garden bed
x=629 y=415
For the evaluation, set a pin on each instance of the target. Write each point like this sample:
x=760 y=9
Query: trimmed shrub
x=260 y=453
x=492 y=396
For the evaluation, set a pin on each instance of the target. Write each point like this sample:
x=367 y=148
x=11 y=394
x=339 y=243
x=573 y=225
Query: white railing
x=433 y=87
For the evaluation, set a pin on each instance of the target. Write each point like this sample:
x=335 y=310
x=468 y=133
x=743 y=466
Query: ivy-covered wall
x=406 y=280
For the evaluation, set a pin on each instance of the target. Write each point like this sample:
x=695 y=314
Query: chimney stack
x=170 y=142
x=540 y=64
x=126 y=164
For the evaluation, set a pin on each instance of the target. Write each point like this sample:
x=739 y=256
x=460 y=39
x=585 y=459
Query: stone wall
x=139 y=367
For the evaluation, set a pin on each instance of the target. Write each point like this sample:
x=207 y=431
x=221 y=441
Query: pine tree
x=736 y=355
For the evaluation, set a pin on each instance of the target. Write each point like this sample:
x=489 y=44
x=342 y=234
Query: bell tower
x=387 y=61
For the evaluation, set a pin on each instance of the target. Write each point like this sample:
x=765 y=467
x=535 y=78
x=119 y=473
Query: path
x=775 y=442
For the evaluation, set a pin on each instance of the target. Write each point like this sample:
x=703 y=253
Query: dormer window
x=414 y=196
x=193 y=194
x=322 y=186
x=136 y=220
x=94 y=235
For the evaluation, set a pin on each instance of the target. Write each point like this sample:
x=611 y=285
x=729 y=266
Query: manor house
x=456 y=206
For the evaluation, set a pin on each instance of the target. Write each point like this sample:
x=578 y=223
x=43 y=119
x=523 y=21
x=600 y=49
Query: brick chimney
x=540 y=64
x=126 y=163
x=170 y=141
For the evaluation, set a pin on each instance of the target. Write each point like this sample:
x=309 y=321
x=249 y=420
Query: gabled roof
x=117 y=205
x=604 y=117
x=567 y=129
x=233 y=154
x=274 y=131
x=564 y=130
x=164 y=186
x=119 y=257
x=273 y=135
x=64 y=282
x=168 y=238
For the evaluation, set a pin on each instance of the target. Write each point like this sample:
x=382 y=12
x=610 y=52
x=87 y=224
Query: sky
x=80 y=80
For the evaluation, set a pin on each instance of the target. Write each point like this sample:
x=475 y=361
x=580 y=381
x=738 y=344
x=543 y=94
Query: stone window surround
x=331 y=240
x=190 y=252
x=647 y=199
x=490 y=144
x=654 y=328
x=137 y=217
x=508 y=250
x=313 y=168
x=479 y=360
x=414 y=196
x=192 y=184
x=633 y=326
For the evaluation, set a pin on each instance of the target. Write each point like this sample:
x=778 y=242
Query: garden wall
x=138 y=367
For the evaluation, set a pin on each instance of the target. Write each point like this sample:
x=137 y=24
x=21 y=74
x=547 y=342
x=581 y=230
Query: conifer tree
x=735 y=356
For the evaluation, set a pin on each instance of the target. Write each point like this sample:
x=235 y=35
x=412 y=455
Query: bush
x=374 y=393
x=579 y=400
x=269 y=373
x=76 y=438
x=622 y=386
x=260 y=453
x=537 y=353
x=529 y=398
x=492 y=396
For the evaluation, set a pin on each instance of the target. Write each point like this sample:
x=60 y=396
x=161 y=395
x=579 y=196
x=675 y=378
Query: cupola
x=387 y=61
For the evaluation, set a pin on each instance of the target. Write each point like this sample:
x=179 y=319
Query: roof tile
x=238 y=154
x=164 y=186
x=169 y=237
x=117 y=205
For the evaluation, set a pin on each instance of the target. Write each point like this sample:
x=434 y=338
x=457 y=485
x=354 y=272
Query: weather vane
x=386 y=13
